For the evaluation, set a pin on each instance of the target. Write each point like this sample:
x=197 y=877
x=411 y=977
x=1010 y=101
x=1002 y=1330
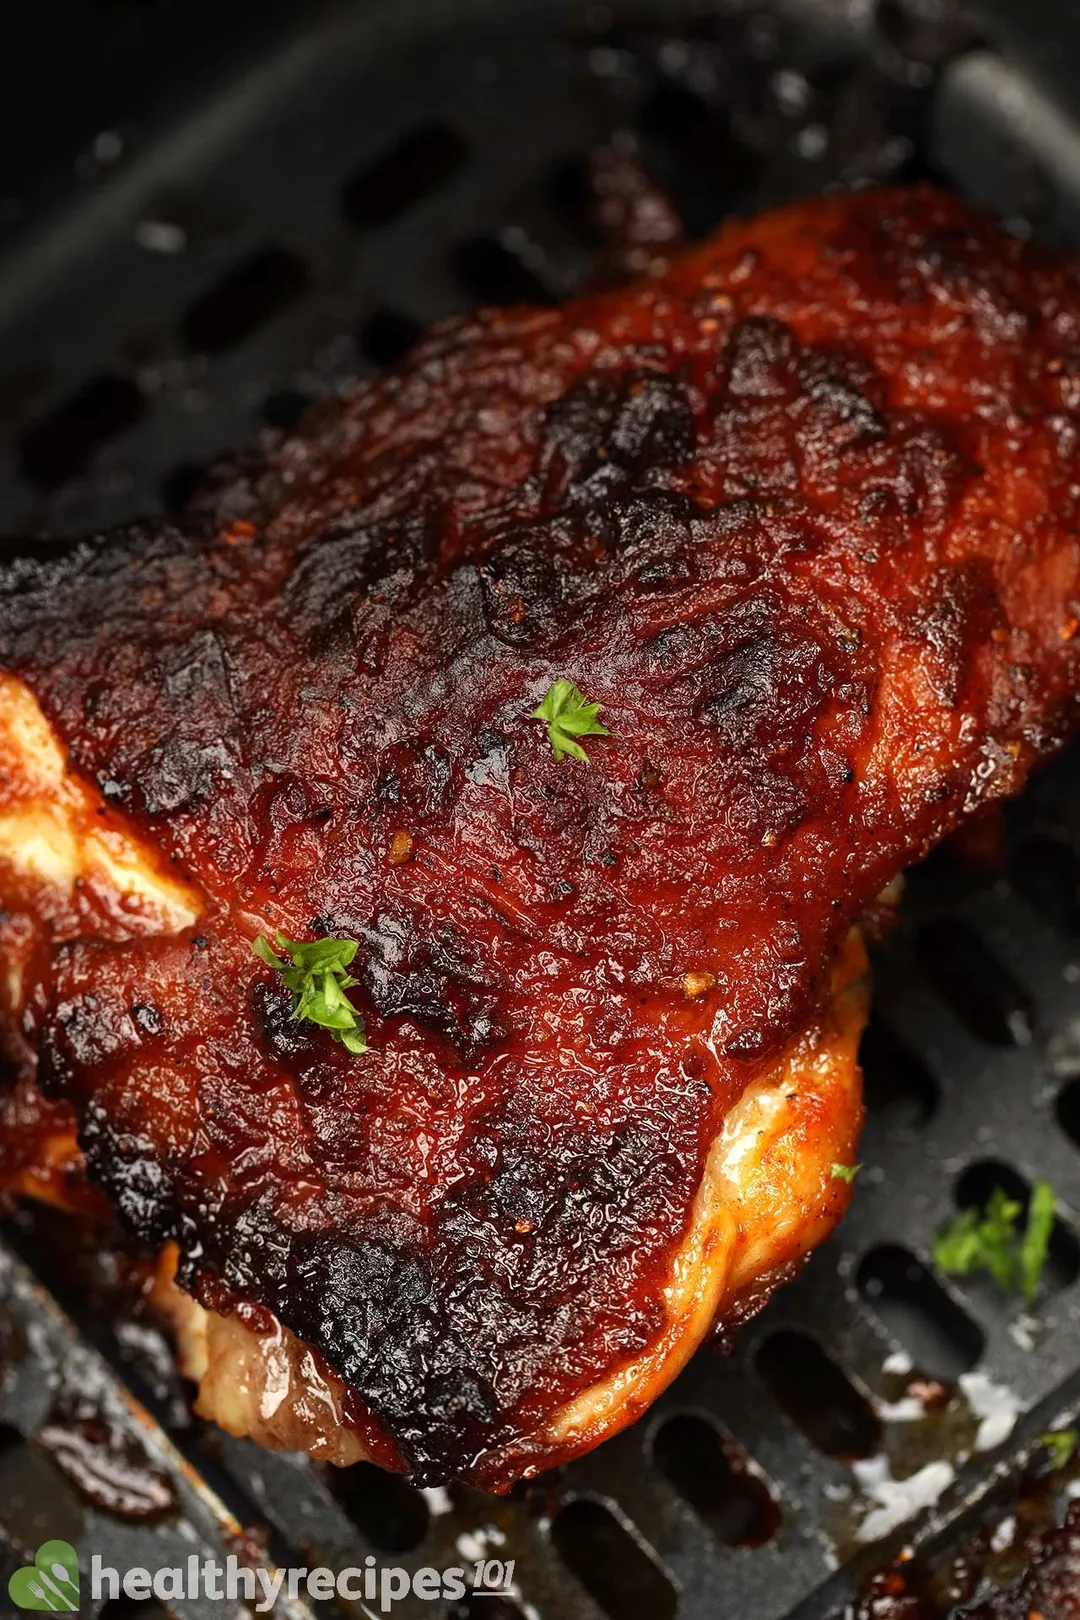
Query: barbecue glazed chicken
x=802 y=515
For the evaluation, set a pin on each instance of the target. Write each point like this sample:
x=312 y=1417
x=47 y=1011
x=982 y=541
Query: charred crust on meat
x=800 y=514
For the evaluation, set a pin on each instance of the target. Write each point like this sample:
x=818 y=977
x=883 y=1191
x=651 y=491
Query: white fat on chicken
x=57 y=834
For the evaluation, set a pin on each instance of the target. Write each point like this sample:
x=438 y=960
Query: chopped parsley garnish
x=317 y=974
x=990 y=1240
x=569 y=716
x=845 y=1172
x=1061 y=1445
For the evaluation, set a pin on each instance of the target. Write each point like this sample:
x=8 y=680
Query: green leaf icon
x=50 y=1583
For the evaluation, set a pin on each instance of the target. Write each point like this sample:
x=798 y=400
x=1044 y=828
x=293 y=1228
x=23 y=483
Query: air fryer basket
x=211 y=214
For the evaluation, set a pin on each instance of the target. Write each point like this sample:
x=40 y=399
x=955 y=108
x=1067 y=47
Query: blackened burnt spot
x=180 y=772
x=148 y=1018
x=552 y=1183
x=843 y=398
x=748 y=685
x=130 y=1169
x=747 y=1045
x=665 y=573
x=355 y=555
x=653 y=426
x=928 y=474
x=764 y=678
x=354 y=1297
x=879 y=503
x=492 y=762
x=417 y=776
x=611 y=427
x=760 y=360
x=373 y=1306
x=112 y=790
x=535 y=578
x=85 y=1031
x=958 y=614
x=494 y=745
x=652 y=534
x=746 y=528
x=437 y=981
x=461 y=1400
x=271 y=1009
x=388 y=787
x=678 y=648
x=332 y=637
x=523 y=598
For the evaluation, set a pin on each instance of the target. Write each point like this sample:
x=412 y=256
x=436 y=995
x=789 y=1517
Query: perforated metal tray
x=230 y=210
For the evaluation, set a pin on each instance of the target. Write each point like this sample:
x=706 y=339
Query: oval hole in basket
x=284 y=408
x=613 y=1567
x=178 y=487
x=500 y=270
x=973 y=1190
x=972 y=982
x=817 y=1396
x=390 y=1512
x=697 y=155
x=911 y=1304
x=246 y=298
x=1047 y=874
x=897 y=1081
x=570 y=191
x=58 y=446
x=1068 y=1111
x=423 y=159
x=387 y=336
x=711 y=1473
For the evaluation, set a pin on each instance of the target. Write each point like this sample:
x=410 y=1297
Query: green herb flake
x=1060 y=1445
x=845 y=1172
x=1035 y=1244
x=990 y=1240
x=317 y=974
x=569 y=716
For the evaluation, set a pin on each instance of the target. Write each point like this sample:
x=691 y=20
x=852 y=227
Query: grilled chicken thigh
x=802 y=515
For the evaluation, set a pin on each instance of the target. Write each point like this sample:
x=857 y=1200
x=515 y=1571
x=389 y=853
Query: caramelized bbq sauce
x=801 y=516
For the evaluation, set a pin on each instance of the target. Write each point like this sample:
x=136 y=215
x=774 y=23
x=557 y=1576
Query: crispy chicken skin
x=803 y=515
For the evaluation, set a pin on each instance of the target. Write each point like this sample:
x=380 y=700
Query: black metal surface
x=213 y=232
